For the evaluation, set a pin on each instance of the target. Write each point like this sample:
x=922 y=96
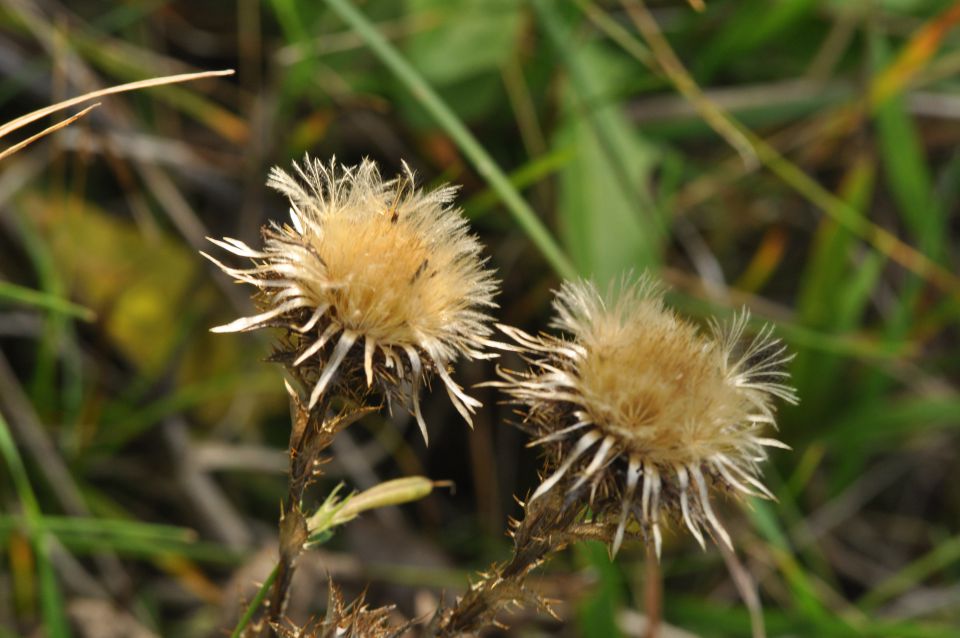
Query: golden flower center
x=388 y=284
x=658 y=387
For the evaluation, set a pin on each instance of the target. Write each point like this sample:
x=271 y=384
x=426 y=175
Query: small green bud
x=395 y=492
x=334 y=512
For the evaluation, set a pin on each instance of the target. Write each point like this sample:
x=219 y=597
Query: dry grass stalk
x=33 y=116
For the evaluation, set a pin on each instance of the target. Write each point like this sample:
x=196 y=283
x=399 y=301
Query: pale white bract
x=640 y=404
x=373 y=271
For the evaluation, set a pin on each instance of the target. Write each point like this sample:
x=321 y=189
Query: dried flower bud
x=645 y=410
x=370 y=275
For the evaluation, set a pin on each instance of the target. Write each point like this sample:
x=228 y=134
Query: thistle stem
x=293 y=534
x=311 y=432
x=543 y=531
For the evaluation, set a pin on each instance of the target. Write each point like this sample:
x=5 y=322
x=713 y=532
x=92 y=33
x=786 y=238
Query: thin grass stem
x=51 y=601
x=847 y=216
x=44 y=300
x=454 y=126
x=255 y=603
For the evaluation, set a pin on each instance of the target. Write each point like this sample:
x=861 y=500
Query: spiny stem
x=293 y=535
x=311 y=432
x=543 y=531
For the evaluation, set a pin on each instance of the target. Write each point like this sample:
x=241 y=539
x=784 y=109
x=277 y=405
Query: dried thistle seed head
x=646 y=410
x=370 y=277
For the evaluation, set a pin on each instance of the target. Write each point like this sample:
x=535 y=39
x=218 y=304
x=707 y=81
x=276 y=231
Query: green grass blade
x=51 y=599
x=448 y=120
x=52 y=607
x=597 y=611
x=941 y=556
x=43 y=384
x=610 y=220
x=881 y=239
x=805 y=595
x=255 y=603
x=66 y=526
x=18 y=472
x=754 y=23
x=131 y=538
x=906 y=168
x=892 y=418
x=835 y=291
x=28 y=296
x=527 y=175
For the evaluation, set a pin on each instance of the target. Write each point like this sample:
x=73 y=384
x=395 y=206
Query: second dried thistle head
x=642 y=415
x=372 y=279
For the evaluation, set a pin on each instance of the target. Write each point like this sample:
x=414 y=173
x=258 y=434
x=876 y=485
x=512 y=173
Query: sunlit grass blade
x=915 y=55
x=609 y=220
x=527 y=175
x=125 y=537
x=127 y=61
x=23 y=120
x=880 y=238
x=448 y=120
x=79 y=526
x=230 y=126
x=671 y=65
x=47 y=131
x=27 y=296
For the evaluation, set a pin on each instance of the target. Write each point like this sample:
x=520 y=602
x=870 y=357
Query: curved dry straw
x=29 y=118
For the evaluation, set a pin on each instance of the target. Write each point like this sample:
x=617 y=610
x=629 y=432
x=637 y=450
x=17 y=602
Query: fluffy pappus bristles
x=646 y=410
x=370 y=277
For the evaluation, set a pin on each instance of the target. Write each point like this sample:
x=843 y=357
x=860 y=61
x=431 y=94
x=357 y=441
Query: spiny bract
x=342 y=620
x=376 y=262
x=643 y=406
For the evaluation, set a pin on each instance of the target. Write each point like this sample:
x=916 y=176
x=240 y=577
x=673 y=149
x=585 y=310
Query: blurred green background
x=798 y=157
